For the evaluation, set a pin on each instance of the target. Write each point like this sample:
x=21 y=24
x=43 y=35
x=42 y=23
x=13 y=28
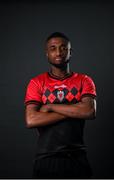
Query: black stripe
x=32 y=102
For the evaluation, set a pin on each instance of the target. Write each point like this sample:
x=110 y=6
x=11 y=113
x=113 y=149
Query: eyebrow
x=53 y=45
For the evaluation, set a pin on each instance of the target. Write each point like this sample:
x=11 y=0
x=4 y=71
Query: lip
x=58 y=59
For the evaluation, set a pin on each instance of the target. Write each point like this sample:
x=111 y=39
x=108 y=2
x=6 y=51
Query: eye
x=64 y=48
x=52 y=49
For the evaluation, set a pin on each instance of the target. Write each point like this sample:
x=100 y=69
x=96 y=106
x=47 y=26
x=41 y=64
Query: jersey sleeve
x=33 y=93
x=88 y=87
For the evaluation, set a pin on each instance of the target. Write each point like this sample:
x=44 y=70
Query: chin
x=59 y=64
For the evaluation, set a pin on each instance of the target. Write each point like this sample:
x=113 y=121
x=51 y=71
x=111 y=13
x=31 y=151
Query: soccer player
x=57 y=103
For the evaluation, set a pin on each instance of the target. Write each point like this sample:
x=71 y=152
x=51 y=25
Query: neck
x=60 y=72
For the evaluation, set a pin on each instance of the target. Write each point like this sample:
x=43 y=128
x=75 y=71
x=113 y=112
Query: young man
x=57 y=103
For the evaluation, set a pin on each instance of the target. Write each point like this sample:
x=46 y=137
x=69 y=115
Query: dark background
x=24 y=26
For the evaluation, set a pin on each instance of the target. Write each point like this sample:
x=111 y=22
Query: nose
x=58 y=51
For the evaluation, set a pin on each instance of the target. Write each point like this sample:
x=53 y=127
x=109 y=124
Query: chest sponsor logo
x=60 y=95
x=60 y=86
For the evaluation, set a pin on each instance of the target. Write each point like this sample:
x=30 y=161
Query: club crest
x=60 y=95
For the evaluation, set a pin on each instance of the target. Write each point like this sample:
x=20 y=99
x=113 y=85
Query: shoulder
x=82 y=76
x=39 y=78
x=84 y=79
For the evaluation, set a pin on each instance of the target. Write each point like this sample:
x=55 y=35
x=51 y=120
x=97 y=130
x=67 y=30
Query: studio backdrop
x=24 y=27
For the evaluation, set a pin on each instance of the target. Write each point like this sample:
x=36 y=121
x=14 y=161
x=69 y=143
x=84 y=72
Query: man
x=57 y=103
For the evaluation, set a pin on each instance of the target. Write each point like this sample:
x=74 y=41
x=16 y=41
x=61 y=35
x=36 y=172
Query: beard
x=61 y=65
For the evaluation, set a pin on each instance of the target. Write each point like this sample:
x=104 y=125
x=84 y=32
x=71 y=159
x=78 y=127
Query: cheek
x=50 y=56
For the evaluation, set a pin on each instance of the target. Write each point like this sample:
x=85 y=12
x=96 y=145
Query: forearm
x=81 y=110
x=36 y=119
x=73 y=111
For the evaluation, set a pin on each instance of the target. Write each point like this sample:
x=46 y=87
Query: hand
x=45 y=108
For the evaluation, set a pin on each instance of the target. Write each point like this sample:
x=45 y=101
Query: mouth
x=58 y=59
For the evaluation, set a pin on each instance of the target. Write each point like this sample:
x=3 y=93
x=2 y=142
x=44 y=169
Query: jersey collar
x=56 y=77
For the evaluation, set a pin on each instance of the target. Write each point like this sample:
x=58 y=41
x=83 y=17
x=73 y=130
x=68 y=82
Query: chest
x=68 y=91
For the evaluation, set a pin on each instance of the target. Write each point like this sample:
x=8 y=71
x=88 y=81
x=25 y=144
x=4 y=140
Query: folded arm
x=35 y=117
x=85 y=109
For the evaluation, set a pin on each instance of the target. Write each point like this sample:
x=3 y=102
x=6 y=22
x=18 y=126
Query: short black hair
x=57 y=34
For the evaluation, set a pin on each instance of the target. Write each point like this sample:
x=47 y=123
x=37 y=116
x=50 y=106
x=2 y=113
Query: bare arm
x=35 y=117
x=86 y=109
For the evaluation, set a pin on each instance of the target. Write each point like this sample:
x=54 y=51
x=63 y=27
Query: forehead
x=57 y=41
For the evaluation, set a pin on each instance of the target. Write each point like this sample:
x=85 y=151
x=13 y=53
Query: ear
x=70 y=52
x=47 y=54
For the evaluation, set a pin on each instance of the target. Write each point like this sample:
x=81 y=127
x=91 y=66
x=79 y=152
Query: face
x=58 y=51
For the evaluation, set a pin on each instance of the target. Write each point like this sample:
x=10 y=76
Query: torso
x=68 y=133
